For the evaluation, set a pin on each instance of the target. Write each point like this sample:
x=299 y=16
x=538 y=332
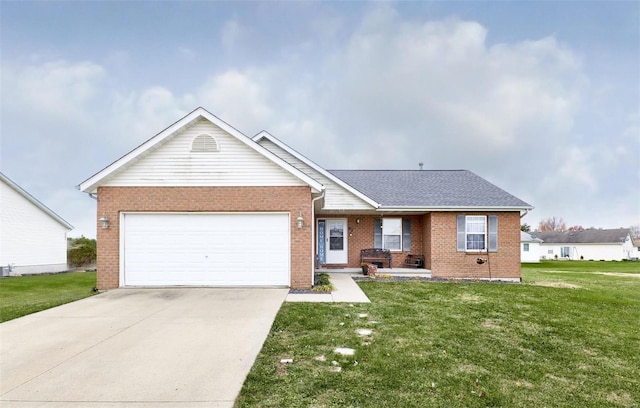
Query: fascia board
x=35 y=202
x=89 y=185
x=266 y=135
x=450 y=208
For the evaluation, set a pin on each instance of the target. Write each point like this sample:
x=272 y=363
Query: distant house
x=33 y=238
x=529 y=248
x=590 y=244
x=636 y=249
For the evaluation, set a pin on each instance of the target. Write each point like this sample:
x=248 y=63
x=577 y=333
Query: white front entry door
x=336 y=241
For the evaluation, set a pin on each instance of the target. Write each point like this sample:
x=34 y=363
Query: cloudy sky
x=540 y=98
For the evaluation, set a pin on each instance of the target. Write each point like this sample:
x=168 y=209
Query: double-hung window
x=477 y=232
x=392 y=233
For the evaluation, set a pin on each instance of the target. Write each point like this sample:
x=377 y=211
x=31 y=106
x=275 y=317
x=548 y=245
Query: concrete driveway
x=186 y=347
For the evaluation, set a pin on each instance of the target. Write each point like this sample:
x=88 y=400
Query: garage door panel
x=206 y=249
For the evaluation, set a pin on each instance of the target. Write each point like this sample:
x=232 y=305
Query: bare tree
x=576 y=228
x=552 y=224
x=635 y=231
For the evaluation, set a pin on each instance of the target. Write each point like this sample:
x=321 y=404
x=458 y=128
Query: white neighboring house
x=529 y=248
x=590 y=244
x=33 y=238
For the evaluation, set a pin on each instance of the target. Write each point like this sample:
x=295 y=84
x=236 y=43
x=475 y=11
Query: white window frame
x=525 y=247
x=469 y=222
x=392 y=230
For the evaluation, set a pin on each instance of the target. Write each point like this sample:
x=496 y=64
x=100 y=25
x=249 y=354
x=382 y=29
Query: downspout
x=525 y=213
x=313 y=233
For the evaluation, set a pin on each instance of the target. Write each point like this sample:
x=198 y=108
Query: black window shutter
x=406 y=234
x=461 y=233
x=377 y=232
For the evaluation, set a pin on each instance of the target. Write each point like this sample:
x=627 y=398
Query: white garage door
x=205 y=249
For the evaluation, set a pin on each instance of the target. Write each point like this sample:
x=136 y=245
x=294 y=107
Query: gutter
x=450 y=208
x=313 y=226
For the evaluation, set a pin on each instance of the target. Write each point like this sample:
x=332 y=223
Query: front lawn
x=23 y=295
x=564 y=338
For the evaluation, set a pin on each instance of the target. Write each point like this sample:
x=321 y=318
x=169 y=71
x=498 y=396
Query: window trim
x=405 y=233
x=525 y=247
x=472 y=220
x=399 y=234
x=490 y=233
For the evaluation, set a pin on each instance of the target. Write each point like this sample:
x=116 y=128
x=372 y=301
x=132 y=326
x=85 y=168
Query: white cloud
x=391 y=93
x=232 y=34
x=237 y=98
x=59 y=90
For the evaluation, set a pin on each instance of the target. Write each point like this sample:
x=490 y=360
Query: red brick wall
x=447 y=262
x=113 y=200
x=434 y=236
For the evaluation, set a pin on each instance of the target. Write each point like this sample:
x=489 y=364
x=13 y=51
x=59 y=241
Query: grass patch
x=460 y=345
x=23 y=295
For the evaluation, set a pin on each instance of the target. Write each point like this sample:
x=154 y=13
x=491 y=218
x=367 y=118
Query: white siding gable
x=30 y=239
x=336 y=196
x=173 y=163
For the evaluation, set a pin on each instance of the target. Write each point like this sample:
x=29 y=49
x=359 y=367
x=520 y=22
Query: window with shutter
x=477 y=232
x=392 y=233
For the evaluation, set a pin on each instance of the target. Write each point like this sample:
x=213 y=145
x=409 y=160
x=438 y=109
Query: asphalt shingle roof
x=589 y=236
x=428 y=188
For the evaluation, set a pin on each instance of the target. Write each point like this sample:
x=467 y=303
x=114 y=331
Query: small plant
x=322 y=283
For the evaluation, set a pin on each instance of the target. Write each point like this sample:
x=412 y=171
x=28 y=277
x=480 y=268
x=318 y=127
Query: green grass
x=23 y=295
x=567 y=337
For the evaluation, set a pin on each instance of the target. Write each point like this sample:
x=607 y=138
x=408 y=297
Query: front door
x=336 y=241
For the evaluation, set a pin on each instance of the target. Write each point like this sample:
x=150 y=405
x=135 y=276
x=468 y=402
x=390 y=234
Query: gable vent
x=204 y=143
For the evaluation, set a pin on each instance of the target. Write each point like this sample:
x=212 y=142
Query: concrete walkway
x=346 y=290
x=187 y=347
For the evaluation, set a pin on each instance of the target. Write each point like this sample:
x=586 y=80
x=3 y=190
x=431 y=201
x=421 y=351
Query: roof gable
x=137 y=155
x=11 y=184
x=526 y=237
x=430 y=189
x=310 y=168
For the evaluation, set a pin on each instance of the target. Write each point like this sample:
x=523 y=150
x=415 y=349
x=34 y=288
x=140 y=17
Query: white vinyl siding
x=336 y=197
x=205 y=249
x=596 y=252
x=30 y=239
x=174 y=164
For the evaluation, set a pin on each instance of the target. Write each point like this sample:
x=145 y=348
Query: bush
x=81 y=252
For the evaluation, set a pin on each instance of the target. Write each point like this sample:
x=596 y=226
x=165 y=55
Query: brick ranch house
x=201 y=204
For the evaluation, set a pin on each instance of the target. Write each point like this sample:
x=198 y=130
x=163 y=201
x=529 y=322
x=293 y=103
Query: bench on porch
x=375 y=256
x=414 y=261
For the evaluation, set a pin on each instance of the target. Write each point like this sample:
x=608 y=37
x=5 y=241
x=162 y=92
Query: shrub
x=81 y=252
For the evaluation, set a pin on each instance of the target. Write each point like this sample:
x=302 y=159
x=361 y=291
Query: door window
x=336 y=236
